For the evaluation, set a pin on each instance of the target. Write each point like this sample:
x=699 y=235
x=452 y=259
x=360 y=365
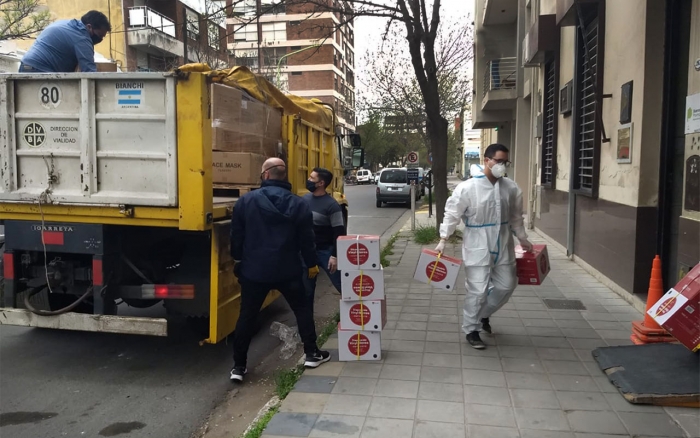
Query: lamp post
x=279 y=62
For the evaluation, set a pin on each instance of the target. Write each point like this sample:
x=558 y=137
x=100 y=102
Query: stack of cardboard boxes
x=362 y=304
x=245 y=132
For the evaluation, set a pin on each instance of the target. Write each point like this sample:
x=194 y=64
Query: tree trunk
x=438 y=145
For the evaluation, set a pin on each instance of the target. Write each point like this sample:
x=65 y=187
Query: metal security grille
x=549 y=115
x=587 y=107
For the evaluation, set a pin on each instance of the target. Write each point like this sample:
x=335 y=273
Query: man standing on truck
x=271 y=232
x=67 y=44
x=492 y=209
x=328 y=226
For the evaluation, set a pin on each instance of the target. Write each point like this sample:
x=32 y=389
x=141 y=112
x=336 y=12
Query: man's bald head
x=275 y=169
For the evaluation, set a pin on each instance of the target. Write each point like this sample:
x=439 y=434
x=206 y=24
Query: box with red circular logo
x=678 y=311
x=359 y=345
x=368 y=285
x=363 y=315
x=441 y=273
x=533 y=266
x=357 y=252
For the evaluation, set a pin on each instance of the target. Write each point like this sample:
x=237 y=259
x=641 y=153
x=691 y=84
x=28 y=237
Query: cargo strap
x=430 y=279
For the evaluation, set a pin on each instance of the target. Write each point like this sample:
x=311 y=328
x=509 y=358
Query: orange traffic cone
x=648 y=331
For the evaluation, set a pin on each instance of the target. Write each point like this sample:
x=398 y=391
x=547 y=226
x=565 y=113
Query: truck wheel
x=379 y=203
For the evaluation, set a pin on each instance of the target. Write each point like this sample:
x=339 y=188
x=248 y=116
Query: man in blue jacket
x=271 y=232
x=67 y=44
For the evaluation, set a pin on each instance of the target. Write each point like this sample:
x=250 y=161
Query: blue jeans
x=323 y=256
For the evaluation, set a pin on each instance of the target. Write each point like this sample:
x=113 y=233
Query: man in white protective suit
x=491 y=206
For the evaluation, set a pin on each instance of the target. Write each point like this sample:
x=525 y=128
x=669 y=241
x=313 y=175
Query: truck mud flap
x=86 y=322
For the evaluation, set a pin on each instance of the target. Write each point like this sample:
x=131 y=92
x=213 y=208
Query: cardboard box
x=437 y=273
x=678 y=311
x=369 y=343
x=533 y=266
x=106 y=67
x=243 y=124
x=354 y=313
x=368 y=285
x=236 y=167
x=358 y=252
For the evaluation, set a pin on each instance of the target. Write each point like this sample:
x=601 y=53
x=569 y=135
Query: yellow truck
x=107 y=198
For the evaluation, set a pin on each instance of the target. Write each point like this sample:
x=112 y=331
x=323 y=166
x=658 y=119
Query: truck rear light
x=97 y=278
x=8 y=260
x=168 y=291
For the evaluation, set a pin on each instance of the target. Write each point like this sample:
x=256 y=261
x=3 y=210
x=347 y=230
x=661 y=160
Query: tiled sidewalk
x=537 y=379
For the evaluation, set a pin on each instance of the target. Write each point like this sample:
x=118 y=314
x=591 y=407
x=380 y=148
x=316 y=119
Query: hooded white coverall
x=492 y=213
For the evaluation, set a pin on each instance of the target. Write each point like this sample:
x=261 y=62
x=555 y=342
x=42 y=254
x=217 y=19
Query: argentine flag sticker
x=130 y=95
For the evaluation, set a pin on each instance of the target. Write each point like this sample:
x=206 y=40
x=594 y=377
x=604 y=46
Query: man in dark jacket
x=271 y=232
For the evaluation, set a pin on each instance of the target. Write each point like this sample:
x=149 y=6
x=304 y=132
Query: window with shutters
x=586 y=153
x=549 y=125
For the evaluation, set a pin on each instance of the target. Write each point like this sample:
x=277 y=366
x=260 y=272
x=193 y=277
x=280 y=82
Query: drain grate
x=563 y=304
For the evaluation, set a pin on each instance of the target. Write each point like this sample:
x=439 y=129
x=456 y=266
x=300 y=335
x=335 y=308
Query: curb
x=271 y=404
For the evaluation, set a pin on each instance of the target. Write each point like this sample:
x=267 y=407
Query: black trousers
x=253 y=295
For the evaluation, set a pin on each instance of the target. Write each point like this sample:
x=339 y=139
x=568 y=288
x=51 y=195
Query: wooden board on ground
x=656 y=374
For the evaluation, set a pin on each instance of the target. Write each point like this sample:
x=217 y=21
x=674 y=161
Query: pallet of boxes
x=362 y=304
x=245 y=132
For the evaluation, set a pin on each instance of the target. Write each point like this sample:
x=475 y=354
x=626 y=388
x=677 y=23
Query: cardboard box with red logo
x=440 y=272
x=358 y=252
x=359 y=345
x=368 y=285
x=533 y=266
x=678 y=311
x=371 y=313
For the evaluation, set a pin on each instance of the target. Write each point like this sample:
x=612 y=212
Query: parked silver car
x=393 y=187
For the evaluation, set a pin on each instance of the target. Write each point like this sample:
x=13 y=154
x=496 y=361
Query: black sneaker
x=475 y=341
x=237 y=374
x=485 y=326
x=314 y=360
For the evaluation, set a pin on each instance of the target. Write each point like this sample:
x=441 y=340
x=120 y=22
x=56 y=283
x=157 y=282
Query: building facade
x=305 y=53
x=599 y=101
x=154 y=35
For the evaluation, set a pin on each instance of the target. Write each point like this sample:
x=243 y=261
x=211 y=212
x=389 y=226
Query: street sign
x=412 y=175
x=412 y=158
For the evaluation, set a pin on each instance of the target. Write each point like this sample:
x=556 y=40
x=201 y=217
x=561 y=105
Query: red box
x=533 y=266
x=678 y=311
x=356 y=345
x=358 y=252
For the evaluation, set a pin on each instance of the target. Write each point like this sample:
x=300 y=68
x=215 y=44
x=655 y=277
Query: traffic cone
x=648 y=331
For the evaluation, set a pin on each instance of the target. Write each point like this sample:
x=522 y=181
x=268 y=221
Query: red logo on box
x=358 y=254
x=360 y=314
x=436 y=274
x=367 y=285
x=666 y=306
x=361 y=341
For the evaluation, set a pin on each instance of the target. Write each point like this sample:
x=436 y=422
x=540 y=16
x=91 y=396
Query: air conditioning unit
x=566 y=99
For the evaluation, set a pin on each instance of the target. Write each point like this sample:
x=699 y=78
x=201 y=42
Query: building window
x=586 y=154
x=214 y=38
x=248 y=33
x=274 y=31
x=549 y=125
x=192 y=25
x=297 y=73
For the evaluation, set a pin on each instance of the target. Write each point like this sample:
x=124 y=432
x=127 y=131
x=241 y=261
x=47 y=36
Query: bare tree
x=210 y=36
x=22 y=19
x=393 y=89
x=420 y=22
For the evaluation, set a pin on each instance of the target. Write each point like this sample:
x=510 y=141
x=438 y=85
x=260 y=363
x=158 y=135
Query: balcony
x=500 y=12
x=500 y=86
x=540 y=40
x=153 y=33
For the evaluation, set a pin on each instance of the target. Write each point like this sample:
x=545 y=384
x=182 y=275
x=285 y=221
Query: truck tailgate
x=90 y=139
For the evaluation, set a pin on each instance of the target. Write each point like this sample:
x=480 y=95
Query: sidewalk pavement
x=536 y=379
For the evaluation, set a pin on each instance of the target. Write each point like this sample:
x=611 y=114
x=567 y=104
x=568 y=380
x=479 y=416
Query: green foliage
x=22 y=19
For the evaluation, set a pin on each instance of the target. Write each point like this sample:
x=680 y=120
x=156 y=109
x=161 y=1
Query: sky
x=368 y=31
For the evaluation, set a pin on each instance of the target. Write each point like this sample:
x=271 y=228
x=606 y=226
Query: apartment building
x=305 y=53
x=154 y=35
x=599 y=101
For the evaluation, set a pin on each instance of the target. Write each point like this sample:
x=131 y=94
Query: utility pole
x=184 y=35
x=258 y=13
